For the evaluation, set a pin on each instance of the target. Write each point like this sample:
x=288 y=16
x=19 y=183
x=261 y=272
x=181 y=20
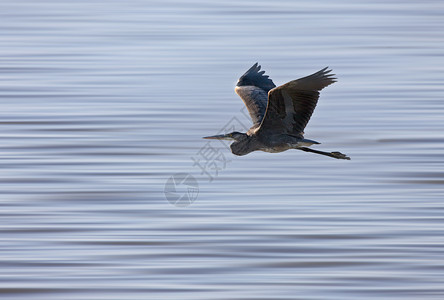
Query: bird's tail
x=307 y=142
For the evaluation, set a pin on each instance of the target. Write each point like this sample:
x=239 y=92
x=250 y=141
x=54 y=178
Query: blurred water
x=101 y=102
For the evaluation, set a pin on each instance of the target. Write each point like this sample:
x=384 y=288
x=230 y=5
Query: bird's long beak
x=219 y=137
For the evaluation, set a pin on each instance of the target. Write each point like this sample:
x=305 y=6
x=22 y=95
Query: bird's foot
x=339 y=155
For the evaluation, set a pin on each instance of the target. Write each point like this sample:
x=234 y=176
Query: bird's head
x=232 y=136
x=242 y=142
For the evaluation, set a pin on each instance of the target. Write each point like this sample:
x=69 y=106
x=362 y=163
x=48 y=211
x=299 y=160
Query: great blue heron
x=279 y=114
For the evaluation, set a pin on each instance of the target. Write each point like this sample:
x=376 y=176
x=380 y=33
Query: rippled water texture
x=103 y=101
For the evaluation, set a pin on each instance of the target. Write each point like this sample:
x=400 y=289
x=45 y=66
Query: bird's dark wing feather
x=291 y=105
x=253 y=89
x=254 y=76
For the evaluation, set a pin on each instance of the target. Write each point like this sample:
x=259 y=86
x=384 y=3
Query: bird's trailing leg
x=337 y=155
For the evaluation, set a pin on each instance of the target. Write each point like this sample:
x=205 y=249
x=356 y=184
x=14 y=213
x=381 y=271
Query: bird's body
x=279 y=114
x=273 y=143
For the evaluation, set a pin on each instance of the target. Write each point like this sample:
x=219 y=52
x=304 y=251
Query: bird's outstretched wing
x=253 y=88
x=291 y=105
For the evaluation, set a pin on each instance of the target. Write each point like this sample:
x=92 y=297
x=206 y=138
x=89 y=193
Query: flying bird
x=279 y=114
